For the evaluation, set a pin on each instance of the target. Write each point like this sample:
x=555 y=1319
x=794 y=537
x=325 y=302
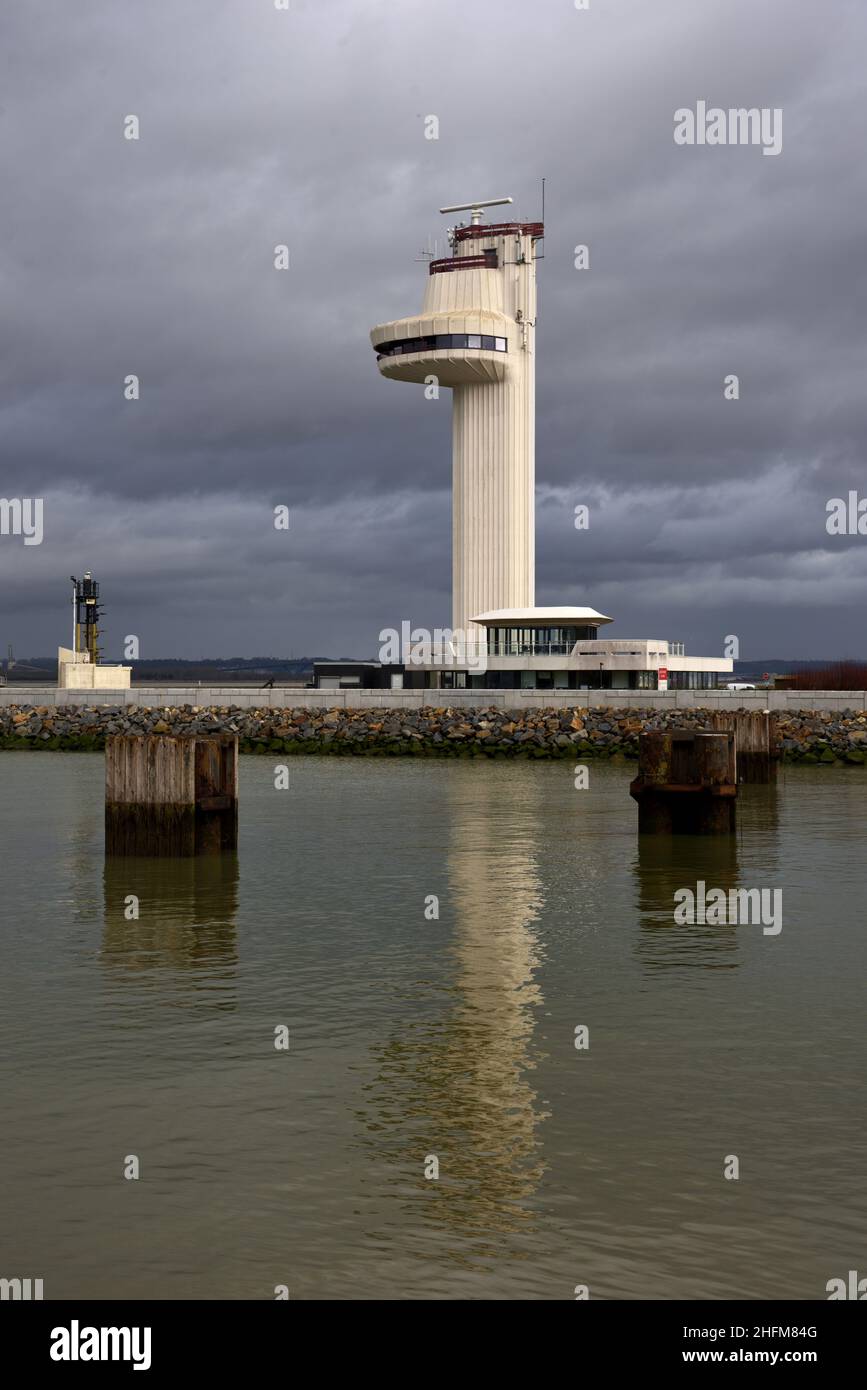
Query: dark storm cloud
x=260 y=127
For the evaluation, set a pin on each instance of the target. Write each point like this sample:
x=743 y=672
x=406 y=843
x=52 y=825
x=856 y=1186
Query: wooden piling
x=170 y=796
x=757 y=742
x=686 y=783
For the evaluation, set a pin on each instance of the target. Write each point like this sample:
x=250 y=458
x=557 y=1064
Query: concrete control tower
x=475 y=334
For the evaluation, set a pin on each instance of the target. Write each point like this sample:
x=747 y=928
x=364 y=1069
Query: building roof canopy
x=542 y=617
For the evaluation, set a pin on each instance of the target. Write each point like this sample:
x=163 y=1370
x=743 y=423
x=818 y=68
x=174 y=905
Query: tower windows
x=537 y=641
x=441 y=342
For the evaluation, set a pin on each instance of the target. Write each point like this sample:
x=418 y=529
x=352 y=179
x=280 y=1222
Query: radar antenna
x=475 y=209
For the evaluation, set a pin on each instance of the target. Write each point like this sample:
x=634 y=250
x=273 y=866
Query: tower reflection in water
x=186 y=926
x=456 y=1080
x=664 y=864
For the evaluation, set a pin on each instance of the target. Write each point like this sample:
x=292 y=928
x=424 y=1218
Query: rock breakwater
x=807 y=736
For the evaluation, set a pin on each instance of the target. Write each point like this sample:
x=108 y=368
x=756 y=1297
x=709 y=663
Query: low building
x=535 y=649
x=354 y=675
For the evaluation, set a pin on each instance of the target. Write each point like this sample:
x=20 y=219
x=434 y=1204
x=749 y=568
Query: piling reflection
x=463 y=1073
x=665 y=865
x=186 y=924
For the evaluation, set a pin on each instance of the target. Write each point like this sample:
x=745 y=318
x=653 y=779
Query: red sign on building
x=663 y=673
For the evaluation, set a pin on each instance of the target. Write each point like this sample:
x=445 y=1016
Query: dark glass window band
x=439 y=342
x=486 y=260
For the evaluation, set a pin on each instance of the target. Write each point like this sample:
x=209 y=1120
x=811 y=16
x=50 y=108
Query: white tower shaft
x=476 y=334
x=494 y=469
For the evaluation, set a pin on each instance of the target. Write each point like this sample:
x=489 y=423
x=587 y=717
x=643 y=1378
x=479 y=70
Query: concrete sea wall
x=807 y=736
x=291 y=697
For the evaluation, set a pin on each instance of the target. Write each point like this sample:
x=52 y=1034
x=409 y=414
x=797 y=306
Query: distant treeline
x=790 y=675
x=837 y=675
x=216 y=670
x=172 y=668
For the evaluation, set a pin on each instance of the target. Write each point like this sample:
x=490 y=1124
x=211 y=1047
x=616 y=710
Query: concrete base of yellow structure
x=75 y=671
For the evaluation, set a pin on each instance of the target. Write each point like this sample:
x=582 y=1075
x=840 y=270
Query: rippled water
x=414 y=1037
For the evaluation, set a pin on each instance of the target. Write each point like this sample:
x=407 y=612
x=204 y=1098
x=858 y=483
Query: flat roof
x=541 y=617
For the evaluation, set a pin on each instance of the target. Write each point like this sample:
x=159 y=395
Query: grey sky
x=259 y=387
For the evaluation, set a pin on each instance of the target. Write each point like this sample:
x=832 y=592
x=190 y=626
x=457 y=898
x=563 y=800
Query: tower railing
x=472 y=233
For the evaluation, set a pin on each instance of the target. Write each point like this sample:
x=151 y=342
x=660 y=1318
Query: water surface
x=413 y=1038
